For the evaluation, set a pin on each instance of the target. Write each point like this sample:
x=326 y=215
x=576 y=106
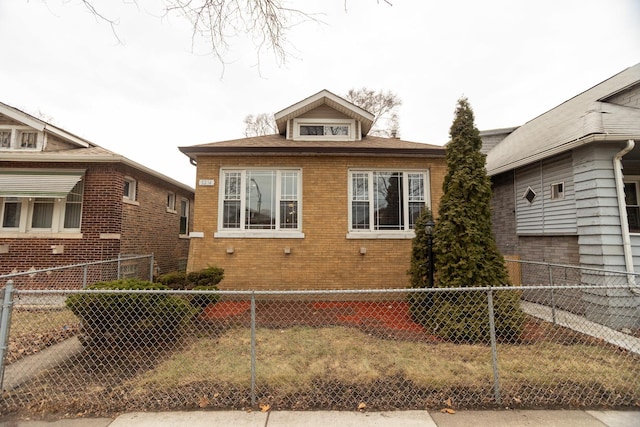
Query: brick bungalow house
x=566 y=189
x=318 y=205
x=65 y=200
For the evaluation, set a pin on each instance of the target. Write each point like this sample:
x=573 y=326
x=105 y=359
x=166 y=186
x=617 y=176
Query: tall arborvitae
x=465 y=250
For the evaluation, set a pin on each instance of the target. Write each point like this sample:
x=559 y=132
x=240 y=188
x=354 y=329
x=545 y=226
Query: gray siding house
x=567 y=190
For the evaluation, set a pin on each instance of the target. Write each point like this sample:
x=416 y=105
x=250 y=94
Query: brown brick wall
x=149 y=228
x=143 y=229
x=325 y=258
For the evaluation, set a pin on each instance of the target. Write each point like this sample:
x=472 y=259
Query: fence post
x=253 y=349
x=84 y=276
x=553 y=296
x=151 y=268
x=5 y=320
x=118 y=272
x=494 y=348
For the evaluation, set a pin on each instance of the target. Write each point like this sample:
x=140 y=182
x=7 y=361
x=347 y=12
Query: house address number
x=206 y=182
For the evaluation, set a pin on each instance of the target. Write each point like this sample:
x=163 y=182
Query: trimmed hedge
x=129 y=319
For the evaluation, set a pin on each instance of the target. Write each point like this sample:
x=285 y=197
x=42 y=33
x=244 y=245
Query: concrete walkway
x=582 y=325
x=28 y=367
x=500 y=418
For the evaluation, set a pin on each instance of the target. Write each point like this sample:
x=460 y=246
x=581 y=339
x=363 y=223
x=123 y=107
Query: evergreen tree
x=465 y=250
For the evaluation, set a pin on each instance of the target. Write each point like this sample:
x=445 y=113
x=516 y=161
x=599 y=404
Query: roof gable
x=582 y=118
x=324 y=97
x=40 y=125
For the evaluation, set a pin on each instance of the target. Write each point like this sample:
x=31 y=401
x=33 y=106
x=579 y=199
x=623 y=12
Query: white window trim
x=327 y=122
x=407 y=233
x=171 y=203
x=14 y=144
x=133 y=191
x=561 y=194
x=184 y=235
x=278 y=233
x=24 y=229
x=635 y=179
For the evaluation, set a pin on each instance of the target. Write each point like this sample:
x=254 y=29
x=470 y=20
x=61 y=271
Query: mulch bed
x=388 y=319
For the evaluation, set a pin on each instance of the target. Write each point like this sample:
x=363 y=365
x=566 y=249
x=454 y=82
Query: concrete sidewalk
x=497 y=418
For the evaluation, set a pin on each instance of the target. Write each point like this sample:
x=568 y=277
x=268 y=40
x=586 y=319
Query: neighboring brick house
x=567 y=190
x=65 y=200
x=319 y=205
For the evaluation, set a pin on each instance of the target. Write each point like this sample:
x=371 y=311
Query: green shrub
x=420 y=302
x=129 y=319
x=174 y=280
x=201 y=301
x=209 y=276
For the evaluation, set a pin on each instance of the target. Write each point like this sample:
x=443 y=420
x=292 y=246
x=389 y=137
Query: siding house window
x=633 y=205
x=260 y=200
x=557 y=191
x=386 y=200
x=130 y=185
x=184 y=216
x=43 y=214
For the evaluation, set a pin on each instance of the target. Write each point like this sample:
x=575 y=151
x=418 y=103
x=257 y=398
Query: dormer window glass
x=324 y=129
x=20 y=138
x=28 y=139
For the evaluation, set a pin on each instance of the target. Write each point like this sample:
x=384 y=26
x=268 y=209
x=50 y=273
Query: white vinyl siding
x=546 y=215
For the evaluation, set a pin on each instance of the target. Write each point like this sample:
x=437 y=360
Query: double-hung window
x=385 y=201
x=260 y=202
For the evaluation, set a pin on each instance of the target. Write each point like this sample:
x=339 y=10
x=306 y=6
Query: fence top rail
x=575 y=267
x=64 y=267
x=313 y=291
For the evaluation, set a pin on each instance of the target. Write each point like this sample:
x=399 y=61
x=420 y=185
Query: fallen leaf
x=204 y=402
x=449 y=403
x=265 y=407
x=447 y=411
x=216 y=394
x=362 y=406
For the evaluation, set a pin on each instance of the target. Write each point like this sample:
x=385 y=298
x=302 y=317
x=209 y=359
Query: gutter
x=624 y=223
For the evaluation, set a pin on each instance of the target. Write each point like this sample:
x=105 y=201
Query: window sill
x=371 y=235
x=130 y=202
x=173 y=211
x=28 y=235
x=183 y=236
x=254 y=234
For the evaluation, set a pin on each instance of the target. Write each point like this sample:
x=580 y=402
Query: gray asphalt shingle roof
x=586 y=116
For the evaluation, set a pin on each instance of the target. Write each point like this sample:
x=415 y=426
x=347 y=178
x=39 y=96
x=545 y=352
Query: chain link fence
x=106 y=352
x=79 y=276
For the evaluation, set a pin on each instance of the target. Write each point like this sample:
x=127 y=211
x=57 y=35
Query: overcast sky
x=151 y=93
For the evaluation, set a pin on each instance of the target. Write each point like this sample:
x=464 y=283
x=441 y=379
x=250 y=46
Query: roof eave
x=88 y=158
x=588 y=139
x=194 y=152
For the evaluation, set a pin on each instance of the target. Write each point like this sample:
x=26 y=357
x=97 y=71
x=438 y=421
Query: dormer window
x=323 y=129
x=20 y=138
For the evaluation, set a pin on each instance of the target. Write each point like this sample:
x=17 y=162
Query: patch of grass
x=291 y=359
x=39 y=321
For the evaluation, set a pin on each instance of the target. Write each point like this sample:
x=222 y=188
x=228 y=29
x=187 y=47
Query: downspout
x=624 y=223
